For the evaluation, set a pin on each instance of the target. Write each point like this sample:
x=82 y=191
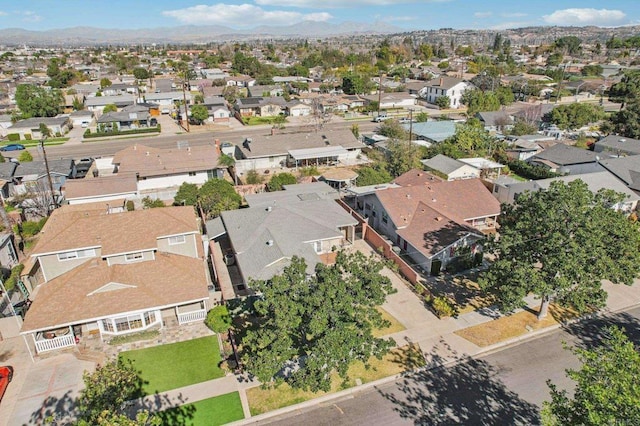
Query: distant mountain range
x=82 y=36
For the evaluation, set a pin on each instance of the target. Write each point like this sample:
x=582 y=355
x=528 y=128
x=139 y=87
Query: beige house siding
x=52 y=267
x=122 y=259
x=188 y=248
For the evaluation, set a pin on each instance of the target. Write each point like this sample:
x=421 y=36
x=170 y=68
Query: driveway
x=41 y=388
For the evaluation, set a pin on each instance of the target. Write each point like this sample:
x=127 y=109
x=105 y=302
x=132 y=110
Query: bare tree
x=36 y=201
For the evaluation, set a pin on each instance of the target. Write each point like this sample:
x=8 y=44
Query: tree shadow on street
x=590 y=333
x=466 y=392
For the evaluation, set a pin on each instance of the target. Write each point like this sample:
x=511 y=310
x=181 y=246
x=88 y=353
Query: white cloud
x=482 y=14
x=3 y=13
x=400 y=18
x=339 y=3
x=243 y=15
x=600 y=17
x=30 y=16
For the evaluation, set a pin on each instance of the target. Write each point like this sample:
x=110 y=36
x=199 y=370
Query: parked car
x=405 y=120
x=12 y=147
x=381 y=118
x=6 y=375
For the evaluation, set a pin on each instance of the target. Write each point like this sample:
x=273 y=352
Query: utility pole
x=379 y=91
x=410 y=125
x=184 y=97
x=46 y=165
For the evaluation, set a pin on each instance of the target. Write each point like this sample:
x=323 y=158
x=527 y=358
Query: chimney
x=147 y=153
x=273 y=131
x=217 y=142
x=441 y=81
x=135 y=147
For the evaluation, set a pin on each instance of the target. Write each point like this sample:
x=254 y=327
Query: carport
x=326 y=155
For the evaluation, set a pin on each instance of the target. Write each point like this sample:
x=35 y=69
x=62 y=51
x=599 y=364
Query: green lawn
x=219 y=410
x=176 y=365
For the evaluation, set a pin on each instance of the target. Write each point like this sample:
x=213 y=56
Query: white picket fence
x=187 y=317
x=55 y=343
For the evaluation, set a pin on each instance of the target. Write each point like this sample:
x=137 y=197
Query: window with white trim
x=133 y=257
x=177 y=239
x=78 y=254
x=317 y=246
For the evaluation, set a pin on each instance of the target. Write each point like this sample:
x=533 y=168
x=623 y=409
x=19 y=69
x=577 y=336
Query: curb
x=488 y=350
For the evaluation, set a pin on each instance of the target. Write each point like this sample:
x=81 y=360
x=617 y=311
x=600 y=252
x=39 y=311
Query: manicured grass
x=512 y=326
x=176 y=365
x=393 y=328
x=252 y=121
x=219 y=410
x=396 y=361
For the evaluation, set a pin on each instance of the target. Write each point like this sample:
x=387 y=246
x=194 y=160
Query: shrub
x=25 y=157
x=130 y=206
x=14 y=277
x=442 y=306
x=13 y=137
x=30 y=228
x=309 y=171
x=218 y=319
x=134 y=337
x=27 y=136
x=253 y=177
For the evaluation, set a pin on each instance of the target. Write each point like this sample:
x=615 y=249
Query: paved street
x=74 y=148
x=506 y=387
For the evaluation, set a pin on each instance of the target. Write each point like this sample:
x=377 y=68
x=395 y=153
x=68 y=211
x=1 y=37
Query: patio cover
x=322 y=152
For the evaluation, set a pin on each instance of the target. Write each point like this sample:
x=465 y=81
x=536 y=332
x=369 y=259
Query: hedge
x=13 y=137
x=14 y=277
x=530 y=171
x=88 y=134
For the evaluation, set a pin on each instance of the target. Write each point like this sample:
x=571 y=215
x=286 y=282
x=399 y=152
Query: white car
x=381 y=118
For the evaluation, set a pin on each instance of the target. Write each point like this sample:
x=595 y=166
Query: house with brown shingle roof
x=431 y=219
x=157 y=168
x=107 y=274
x=104 y=188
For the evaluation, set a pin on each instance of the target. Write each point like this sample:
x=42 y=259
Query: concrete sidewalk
x=435 y=337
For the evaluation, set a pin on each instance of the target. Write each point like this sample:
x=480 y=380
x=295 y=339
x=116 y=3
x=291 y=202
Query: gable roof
x=415 y=177
x=145 y=161
x=265 y=237
x=494 y=118
x=430 y=231
x=564 y=155
x=627 y=169
x=34 y=122
x=443 y=82
x=70 y=229
x=436 y=131
x=280 y=144
x=293 y=193
x=38 y=168
x=96 y=290
x=459 y=200
x=617 y=143
x=595 y=181
x=443 y=164
x=100 y=186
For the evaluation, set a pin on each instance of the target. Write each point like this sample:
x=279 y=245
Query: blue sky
x=240 y=14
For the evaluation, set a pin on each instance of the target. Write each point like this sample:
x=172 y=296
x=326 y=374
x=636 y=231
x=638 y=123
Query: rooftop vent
x=623 y=140
x=268 y=208
x=270 y=242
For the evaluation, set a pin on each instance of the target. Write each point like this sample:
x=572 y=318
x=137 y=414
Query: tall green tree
x=217 y=195
x=625 y=122
x=199 y=113
x=187 y=194
x=322 y=323
x=35 y=101
x=353 y=84
x=479 y=101
x=559 y=244
x=402 y=157
x=110 y=108
x=105 y=391
x=393 y=129
x=627 y=89
x=468 y=141
x=607 y=388
x=575 y=115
